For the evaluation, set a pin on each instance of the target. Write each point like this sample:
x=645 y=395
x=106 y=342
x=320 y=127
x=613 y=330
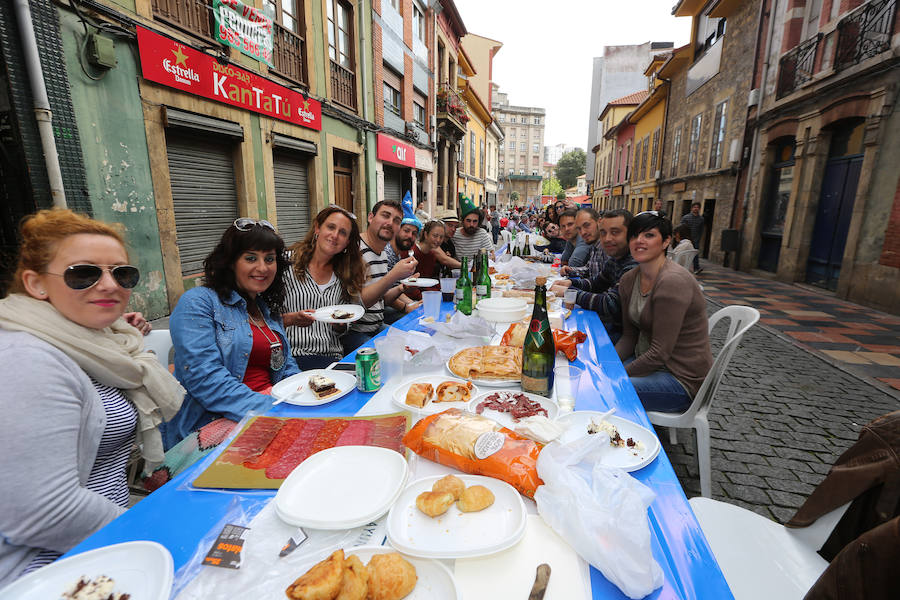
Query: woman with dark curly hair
x=327 y=269
x=230 y=344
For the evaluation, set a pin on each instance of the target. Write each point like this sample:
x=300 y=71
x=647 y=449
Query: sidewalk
x=860 y=340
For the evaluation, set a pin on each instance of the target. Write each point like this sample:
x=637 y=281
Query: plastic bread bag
x=600 y=511
x=566 y=341
x=263 y=572
x=477 y=445
x=462 y=326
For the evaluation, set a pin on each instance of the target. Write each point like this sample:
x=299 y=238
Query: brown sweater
x=674 y=318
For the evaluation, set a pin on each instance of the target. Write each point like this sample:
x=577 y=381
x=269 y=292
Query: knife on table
x=540 y=582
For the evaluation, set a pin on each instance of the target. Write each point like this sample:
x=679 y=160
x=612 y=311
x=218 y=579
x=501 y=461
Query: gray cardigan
x=51 y=421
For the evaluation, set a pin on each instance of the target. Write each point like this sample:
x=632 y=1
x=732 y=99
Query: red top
x=428 y=267
x=258 y=376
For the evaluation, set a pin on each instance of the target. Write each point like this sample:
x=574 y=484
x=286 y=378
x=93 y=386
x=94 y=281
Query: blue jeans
x=696 y=256
x=355 y=339
x=660 y=391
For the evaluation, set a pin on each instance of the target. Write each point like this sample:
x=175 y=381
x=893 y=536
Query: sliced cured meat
x=298 y=451
x=518 y=405
x=329 y=434
x=356 y=434
x=283 y=440
x=252 y=442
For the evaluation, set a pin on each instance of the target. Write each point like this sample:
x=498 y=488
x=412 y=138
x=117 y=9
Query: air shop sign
x=173 y=64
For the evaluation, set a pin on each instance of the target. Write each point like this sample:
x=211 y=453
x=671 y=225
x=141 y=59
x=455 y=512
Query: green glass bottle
x=483 y=283
x=539 y=350
x=464 y=289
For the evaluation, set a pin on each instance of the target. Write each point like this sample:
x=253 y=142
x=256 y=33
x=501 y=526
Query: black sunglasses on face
x=81 y=277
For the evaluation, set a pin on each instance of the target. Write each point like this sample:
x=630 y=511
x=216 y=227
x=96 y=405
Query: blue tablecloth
x=178 y=518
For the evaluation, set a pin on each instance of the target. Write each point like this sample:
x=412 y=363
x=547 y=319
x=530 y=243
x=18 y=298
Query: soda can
x=368 y=370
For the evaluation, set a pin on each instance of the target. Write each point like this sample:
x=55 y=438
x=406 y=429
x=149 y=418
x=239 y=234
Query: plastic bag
x=566 y=341
x=601 y=511
x=477 y=445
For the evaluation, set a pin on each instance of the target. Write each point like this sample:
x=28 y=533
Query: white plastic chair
x=159 y=341
x=685 y=258
x=760 y=558
x=742 y=319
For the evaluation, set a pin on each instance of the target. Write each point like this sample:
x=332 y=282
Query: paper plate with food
x=424 y=282
x=314 y=388
x=139 y=570
x=433 y=394
x=456 y=516
x=509 y=407
x=632 y=446
x=488 y=365
x=375 y=572
x=339 y=313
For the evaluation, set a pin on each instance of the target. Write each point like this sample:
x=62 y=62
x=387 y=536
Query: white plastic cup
x=566 y=381
x=391 y=360
x=432 y=304
x=448 y=288
x=569 y=298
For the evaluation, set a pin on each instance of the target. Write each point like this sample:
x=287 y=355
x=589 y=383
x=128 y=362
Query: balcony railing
x=449 y=103
x=796 y=67
x=289 y=52
x=343 y=86
x=865 y=33
x=193 y=16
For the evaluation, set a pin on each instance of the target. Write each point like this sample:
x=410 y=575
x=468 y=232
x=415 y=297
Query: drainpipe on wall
x=42 y=112
x=362 y=63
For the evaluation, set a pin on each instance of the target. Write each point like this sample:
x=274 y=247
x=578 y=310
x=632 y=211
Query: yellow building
x=472 y=146
x=605 y=153
x=649 y=123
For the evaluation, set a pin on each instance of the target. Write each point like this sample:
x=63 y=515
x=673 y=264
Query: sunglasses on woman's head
x=81 y=277
x=246 y=224
x=343 y=210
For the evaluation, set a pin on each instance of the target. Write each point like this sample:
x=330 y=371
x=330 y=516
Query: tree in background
x=561 y=195
x=570 y=166
x=514 y=197
x=551 y=187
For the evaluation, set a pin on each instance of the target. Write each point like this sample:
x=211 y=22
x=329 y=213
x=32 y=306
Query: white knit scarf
x=113 y=356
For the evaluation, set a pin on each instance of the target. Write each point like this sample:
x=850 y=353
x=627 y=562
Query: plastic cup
x=391 y=360
x=432 y=304
x=569 y=298
x=448 y=288
x=566 y=381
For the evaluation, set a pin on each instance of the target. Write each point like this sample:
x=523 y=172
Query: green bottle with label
x=483 y=283
x=539 y=350
x=464 y=289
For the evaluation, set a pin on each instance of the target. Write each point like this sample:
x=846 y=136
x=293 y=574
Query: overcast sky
x=548 y=49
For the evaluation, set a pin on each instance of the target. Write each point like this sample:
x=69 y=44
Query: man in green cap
x=471 y=237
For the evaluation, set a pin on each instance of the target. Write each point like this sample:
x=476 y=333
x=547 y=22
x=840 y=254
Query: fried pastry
x=475 y=498
x=391 y=577
x=487 y=362
x=454 y=391
x=449 y=484
x=434 y=504
x=419 y=394
x=354 y=581
x=322 y=582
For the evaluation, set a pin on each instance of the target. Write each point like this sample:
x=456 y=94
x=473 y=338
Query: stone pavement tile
x=783 y=514
x=881 y=358
x=847 y=357
x=894 y=383
x=808 y=313
x=788 y=499
x=882 y=348
x=794 y=486
x=817 y=336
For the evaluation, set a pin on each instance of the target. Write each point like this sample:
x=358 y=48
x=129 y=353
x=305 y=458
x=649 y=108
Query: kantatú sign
x=168 y=62
x=243 y=27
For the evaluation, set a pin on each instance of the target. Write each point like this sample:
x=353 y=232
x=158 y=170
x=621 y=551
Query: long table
x=177 y=517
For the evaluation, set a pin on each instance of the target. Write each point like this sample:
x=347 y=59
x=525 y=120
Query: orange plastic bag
x=477 y=445
x=566 y=341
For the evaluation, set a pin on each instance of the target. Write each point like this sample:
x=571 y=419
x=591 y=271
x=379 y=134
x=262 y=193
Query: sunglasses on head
x=343 y=210
x=81 y=277
x=655 y=213
x=246 y=224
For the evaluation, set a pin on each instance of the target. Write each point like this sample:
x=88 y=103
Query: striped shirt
x=319 y=338
x=376 y=268
x=469 y=245
x=108 y=477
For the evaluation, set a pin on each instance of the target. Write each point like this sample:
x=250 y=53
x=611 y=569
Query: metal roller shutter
x=203 y=193
x=393 y=184
x=291 y=195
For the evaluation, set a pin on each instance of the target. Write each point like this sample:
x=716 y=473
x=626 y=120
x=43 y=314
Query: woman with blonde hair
x=79 y=389
x=327 y=269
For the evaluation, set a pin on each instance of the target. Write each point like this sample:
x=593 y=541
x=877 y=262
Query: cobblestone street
x=780 y=419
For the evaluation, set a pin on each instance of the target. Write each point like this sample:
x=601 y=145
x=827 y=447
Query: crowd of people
x=82 y=392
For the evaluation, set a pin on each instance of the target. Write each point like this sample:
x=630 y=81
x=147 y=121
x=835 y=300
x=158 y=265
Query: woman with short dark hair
x=665 y=339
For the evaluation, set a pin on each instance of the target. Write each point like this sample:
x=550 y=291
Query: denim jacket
x=212 y=341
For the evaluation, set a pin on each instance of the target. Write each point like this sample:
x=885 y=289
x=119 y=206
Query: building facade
x=649 y=126
x=607 y=153
x=492 y=184
x=822 y=204
x=451 y=110
x=521 y=163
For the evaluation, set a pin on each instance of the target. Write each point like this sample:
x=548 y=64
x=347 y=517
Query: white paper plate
x=324 y=314
x=456 y=534
x=399 y=397
x=295 y=389
x=422 y=282
x=627 y=459
x=342 y=487
x=506 y=419
x=142 y=569
x=487 y=382
x=435 y=581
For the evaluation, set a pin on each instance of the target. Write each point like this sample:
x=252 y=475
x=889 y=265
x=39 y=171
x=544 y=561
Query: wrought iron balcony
x=289 y=52
x=193 y=16
x=451 y=113
x=343 y=86
x=865 y=33
x=796 y=67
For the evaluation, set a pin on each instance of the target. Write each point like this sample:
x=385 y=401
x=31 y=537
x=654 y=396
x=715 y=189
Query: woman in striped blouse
x=328 y=269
